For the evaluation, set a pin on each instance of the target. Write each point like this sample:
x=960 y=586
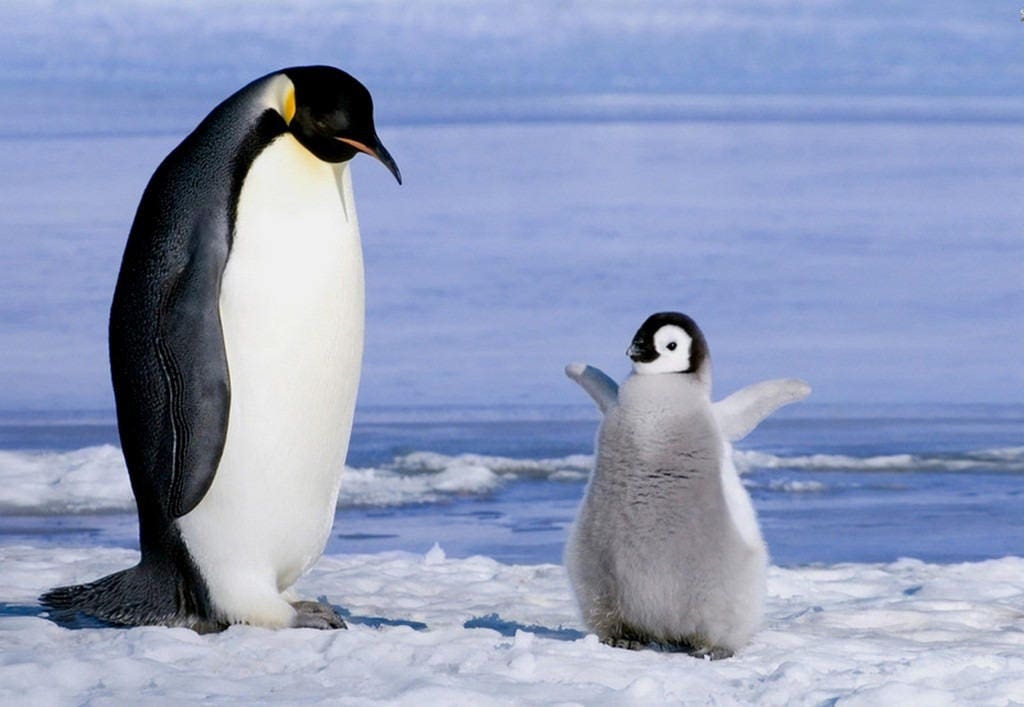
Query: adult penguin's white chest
x=292 y=313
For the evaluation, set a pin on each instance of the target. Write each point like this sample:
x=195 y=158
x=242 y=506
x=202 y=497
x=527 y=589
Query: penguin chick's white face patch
x=672 y=345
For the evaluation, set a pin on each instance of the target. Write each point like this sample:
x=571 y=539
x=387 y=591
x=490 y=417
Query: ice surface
x=95 y=480
x=1008 y=459
x=899 y=633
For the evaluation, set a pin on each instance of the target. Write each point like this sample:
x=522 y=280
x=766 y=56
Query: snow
x=1008 y=459
x=475 y=631
x=95 y=480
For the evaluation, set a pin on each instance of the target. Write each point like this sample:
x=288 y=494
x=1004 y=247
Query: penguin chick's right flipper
x=744 y=410
x=596 y=382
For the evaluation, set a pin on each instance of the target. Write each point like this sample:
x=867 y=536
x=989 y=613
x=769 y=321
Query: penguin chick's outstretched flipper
x=741 y=412
x=596 y=382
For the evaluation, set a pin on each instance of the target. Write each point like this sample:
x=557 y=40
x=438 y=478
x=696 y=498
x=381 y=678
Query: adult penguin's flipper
x=169 y=368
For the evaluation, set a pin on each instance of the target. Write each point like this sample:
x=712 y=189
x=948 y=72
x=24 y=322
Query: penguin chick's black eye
x=671 y=346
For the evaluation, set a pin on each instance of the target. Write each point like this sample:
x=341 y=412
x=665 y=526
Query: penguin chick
x=666 y=547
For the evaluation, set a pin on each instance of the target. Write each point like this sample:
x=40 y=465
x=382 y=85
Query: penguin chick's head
x=331 y=114
x=668 y=342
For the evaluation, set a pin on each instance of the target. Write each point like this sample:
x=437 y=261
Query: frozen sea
x=831 y=483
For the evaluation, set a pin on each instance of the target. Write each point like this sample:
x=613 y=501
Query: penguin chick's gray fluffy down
x=666 y=548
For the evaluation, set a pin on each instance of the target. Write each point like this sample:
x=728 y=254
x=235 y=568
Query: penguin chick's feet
x=707 y=652
x=718 y=653
x=629 y=644
x=316 y=614
x=696 y=650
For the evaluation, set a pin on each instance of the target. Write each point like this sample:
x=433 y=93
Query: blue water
x=879 y=261
x=810 y=513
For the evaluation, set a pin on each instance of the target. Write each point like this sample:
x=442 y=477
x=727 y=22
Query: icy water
x=880 y=261
x=831 y=484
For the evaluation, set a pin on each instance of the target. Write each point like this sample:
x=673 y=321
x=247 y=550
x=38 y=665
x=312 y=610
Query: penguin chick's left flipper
x=741 y=412
x=596 y=382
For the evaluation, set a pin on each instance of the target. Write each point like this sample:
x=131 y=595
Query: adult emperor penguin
x=666 y=548
x=236 y=337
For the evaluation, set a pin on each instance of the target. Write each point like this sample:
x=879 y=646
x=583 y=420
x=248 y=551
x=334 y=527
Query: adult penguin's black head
x=331 y=114
x=669 y=342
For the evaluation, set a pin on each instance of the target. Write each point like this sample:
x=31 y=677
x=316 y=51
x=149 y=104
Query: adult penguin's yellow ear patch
x=289 y=105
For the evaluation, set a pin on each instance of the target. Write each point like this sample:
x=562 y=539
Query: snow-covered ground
x=427 y=630
x=95 y=479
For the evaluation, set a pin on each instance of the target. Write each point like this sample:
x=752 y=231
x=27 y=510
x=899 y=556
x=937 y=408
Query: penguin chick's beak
x=640 y=353
x=380 y=152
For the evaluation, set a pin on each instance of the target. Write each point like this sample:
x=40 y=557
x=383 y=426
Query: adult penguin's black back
x=169 y=363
